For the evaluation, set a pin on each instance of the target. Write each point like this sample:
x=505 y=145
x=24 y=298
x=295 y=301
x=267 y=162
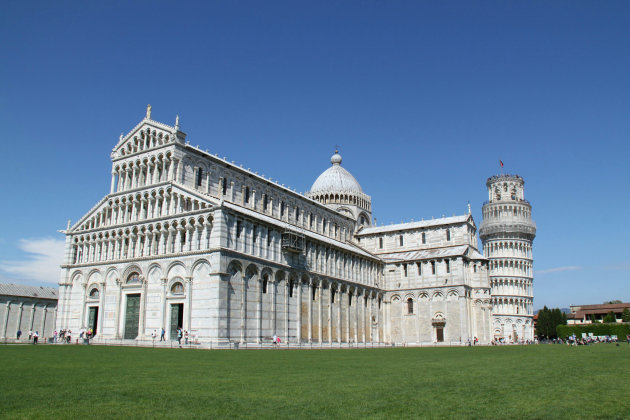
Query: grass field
x=545 y=381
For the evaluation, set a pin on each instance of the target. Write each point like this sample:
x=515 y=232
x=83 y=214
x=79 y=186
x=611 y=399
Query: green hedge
x=620 y=330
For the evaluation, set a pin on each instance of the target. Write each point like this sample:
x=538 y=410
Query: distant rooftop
x=39 y=292
x=435 y=253
x=414 y=225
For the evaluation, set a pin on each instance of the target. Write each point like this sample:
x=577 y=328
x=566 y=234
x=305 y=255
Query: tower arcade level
x=507 y=233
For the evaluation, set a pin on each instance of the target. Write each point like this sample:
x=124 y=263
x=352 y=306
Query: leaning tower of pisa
x=507 y=233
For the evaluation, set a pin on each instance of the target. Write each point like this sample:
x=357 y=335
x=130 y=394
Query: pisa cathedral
x=187 y=239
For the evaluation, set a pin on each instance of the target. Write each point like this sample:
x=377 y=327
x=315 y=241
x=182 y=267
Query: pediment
x=147 y=135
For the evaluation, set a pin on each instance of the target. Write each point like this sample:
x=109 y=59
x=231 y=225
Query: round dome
x=336 y=179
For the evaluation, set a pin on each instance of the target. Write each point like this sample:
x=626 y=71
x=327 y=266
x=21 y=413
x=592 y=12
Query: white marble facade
x=507 y=232
x=187 y=239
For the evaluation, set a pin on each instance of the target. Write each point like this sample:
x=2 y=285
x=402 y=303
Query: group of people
x=472 y=342
x=574 y=340
x=86 y=333
x=63 y=336
x=32 y=336
x=181 y=335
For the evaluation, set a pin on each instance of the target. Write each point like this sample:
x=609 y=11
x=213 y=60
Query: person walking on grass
x=162 y=335
x=153 y=335
x=35 y=337
x=179 y=336
x=19 y=334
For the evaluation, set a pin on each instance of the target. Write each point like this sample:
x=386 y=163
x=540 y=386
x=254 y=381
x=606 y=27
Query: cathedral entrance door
x=132 y=317
x=177 y=318
x=93 y=319
x=439 y=334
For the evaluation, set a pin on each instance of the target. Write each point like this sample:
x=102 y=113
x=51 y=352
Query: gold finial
x=149 y=112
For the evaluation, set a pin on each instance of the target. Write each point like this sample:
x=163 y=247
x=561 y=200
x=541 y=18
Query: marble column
x=19 y=318
x=319 y=312
x=7 y=311
x=298 y=334
x=189 y=295
x=310 y=310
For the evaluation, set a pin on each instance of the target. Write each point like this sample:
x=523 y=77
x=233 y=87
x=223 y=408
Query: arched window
x=199 y=177
x=448 y=234
x=177 y=289
x=410 y=306
x=94 y=293
x=380 y=243
x=133 y=278
x=264 y=285
x=400 y=239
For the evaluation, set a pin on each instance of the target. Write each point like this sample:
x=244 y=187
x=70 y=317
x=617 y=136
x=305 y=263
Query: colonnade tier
x=363 y=201
x=153 y=204
x=506 y=267
x=187 y=234
x=149 y=170
x=512 y=286
x=505 y=248
x=512 y=305
x=517 y=210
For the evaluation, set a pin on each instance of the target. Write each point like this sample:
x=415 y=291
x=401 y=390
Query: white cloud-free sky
x=423 y=98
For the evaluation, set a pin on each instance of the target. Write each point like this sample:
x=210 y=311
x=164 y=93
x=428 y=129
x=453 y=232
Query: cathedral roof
x=336 y=179
x=426 y=254
x=415 y=225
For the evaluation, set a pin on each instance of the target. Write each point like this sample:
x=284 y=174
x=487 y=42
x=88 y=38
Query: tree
x=548 y=320
x=625 y=316
x=610 y=317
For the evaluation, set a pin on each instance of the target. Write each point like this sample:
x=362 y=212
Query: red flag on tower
x=501 y=162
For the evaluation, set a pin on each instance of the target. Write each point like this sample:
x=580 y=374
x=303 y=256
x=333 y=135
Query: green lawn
x=545 y=381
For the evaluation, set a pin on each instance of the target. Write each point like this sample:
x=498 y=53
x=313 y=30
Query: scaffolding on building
x=292 y=241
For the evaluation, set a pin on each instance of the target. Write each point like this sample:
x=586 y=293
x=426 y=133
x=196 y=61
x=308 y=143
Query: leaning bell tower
x=507 y=233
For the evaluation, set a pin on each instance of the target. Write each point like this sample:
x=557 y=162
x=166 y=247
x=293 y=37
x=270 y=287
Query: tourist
x=55 y=336
x=162 y=335
x=153 y=335
x=19 y=334
x=30 y=335
x=186 y=336
x=179 y=336
x=35 y=337
x=275 y=339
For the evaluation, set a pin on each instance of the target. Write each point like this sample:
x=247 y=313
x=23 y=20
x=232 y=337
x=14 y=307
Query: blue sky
x=423 y=99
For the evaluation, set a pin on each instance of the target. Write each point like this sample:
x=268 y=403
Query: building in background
x=507 y=233
x=27 y=308
x=185 y=239
x=585 y=314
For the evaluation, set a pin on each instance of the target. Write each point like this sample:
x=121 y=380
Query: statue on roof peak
x=148 y=112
